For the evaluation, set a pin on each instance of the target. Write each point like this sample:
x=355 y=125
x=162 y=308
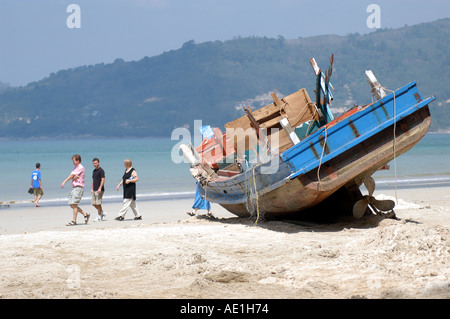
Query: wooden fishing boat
x=293 y=155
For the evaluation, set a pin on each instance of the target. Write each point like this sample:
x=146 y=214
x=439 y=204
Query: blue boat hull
x=338 y=155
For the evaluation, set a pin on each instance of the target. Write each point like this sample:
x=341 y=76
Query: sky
x=38 y=37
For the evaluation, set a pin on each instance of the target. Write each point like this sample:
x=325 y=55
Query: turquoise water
x=427 y=164
x=159 y=176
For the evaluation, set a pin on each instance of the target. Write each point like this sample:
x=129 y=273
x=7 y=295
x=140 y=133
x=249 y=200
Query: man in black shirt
x=98 y=188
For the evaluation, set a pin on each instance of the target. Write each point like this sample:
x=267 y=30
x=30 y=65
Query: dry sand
x=171 y=255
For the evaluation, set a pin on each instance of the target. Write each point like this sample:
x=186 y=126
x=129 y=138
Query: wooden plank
x=276 y=100
x=301 y=108
x=227 y=173
x=255 y=124
x=271 y=123
x=242 y=122
x=282 y=139
x=297 y=107
x=315 y=66
x=266 y=112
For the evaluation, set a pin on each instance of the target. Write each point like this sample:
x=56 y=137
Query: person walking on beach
x=200 y=203
x=77 y=177
x=36 y=184
x=129 y=180
x=98 y=188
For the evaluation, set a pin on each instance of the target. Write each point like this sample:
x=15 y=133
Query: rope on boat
x=256 y=192
x=321 y=156
x=301 y=113
x=206 y=186
x=252 y=197
x=394 y=149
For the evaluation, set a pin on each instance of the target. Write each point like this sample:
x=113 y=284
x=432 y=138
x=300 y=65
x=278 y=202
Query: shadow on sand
x=317 y=221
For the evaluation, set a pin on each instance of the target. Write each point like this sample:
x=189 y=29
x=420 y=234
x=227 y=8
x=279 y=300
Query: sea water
x=161 y=176
x=426 y=165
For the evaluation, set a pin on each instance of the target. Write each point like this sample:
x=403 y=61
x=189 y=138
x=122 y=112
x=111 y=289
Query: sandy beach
x=170 y=255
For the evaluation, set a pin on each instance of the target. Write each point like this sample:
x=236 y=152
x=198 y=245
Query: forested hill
x=209 y=81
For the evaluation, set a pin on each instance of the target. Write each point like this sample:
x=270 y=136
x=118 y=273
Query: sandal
x=72 y=223
x=120 y=218
x=86 y=218
x=191 y=213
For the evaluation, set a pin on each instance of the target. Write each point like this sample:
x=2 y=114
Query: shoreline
x=62 y=202
x=163 y=209
x=382 y=184
x=170 y=255
x=30 y=219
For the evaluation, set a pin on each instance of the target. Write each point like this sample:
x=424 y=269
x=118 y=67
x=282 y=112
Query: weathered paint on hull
x=351 y=167
x=346 y=150
x=363 y=160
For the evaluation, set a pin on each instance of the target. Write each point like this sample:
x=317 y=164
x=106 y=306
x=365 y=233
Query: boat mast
x=323 y=88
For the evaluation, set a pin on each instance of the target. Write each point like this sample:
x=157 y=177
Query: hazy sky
x=35 y=39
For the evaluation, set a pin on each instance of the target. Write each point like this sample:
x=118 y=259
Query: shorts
x=38 y=191
x=75 y=195
x=97 y=198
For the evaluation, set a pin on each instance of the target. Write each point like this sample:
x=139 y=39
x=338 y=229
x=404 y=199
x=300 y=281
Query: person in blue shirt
x=200 y=203
x=36 y=184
